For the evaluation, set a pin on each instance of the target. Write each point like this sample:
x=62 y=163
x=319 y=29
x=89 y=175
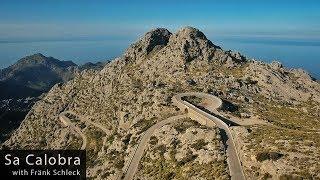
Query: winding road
x=66 y=121
x=209 y=117
x=233 y=160
x=134 y=163
x=202 y=117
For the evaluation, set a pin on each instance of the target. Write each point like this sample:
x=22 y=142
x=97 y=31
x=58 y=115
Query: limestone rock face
x=152 y=40
x=289 y=84
x=276 y=65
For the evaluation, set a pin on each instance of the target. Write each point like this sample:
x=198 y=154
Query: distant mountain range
x=35 y=74
x=95 y=66
x=22 y=83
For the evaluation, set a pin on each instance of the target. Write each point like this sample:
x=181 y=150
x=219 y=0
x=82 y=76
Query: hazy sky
x=72 y=19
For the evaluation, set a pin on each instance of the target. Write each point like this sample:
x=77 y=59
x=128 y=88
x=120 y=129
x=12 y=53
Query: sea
x=293 y=53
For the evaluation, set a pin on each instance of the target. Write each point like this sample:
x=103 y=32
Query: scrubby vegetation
x=163 y=161
x=192 y=99
x=95 y=143
x=292 y=136
x=143 y=124
x=262 y=156
x=200 y=143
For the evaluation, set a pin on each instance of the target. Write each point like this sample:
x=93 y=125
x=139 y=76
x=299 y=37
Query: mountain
x=95 y=66
x=276 y=109
x=24 y=81
x=32 y=75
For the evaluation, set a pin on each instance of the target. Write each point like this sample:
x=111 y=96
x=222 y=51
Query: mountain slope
x=94 y=66
x=24 y=81
x=134 y=91
x=21 y=84
x=35 y=74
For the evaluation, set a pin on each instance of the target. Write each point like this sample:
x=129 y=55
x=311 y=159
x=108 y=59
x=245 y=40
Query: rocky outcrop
x=291 y=85
x=151 y=41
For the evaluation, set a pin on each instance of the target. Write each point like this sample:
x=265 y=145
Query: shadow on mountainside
x=222 y=133
x=225 y=120
x=10 y=120
x=224 y=138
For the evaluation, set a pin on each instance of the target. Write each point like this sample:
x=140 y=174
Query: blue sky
x=68 y=19
x=93 y=30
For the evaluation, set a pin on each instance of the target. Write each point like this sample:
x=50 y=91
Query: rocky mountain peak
x=40 y=59
x=154 y=39
x=179 y=49
x=37 y=56
x=190 y=32
x=192 y=44
x=158 y=36
x=37 y=72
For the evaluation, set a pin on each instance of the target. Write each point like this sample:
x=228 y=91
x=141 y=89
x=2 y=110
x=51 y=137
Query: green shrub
x=126 y=140
x=262 y=156
x=161 y=149
x=188 y=158
x=275 y=156
x=153 y=140
x=119 y=163
x=199 y=144
x=267 y=176
x=192 y=99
